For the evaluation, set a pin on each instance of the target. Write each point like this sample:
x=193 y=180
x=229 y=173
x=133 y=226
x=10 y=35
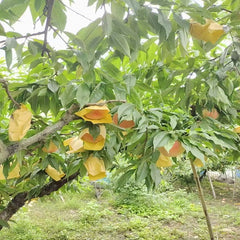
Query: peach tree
x=154 y=81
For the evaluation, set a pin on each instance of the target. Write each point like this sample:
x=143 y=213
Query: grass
x=125 y=215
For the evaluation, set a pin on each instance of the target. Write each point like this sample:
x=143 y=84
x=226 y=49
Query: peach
x=124 y=123
x=51 y=148
x=176 y=150
x=212 y=114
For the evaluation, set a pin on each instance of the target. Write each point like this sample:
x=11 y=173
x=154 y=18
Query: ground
x=130 y=214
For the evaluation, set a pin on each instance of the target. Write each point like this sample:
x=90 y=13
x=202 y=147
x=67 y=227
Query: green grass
x=124 y=215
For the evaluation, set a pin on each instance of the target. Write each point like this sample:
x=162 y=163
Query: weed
x=132 y=213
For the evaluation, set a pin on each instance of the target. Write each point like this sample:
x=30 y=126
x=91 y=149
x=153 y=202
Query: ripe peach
x=212 y=114
x=95 y=114
x=89 y=138
x=176 y=150
x=51 y=148
x=124 y=123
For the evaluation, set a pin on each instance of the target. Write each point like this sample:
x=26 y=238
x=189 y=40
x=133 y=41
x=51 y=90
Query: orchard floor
x=132 y=214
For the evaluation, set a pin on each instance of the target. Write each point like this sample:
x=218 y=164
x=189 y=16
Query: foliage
x=140 y=59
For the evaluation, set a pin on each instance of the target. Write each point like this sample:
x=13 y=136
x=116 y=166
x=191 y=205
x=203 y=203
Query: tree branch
x=26 y=36
x=3 y=152
x=5 y=85
x=59 y=35
x=21 y=198
x=226 y=10
x=68 y=117
x=76 y=12
x=49 y=6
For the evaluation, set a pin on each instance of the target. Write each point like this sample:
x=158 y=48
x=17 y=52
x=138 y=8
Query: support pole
x=200 y=193
x=211 y=184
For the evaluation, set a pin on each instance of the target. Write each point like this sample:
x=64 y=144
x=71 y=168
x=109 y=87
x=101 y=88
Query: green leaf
x=124 y=178
x=142 y=171
x=196 y=152
x=135 y=98
x=110 y=69
x=36 y=8
x=120 y=42
x=59 y=17
x=68 y=95
x=8 y=56
x=74 y=167
x=44 y=102
x=133 y=4
x=2 y=31
x=15 y=8
x=34 y=47
x=173 y=121
x=118 y=10
x=183 y=38
x=125 y=109
x=120 y=91
x=218 y=93
x=181 y=22
x=161 y=139
x=155 y=156
x=155 y=174
x=55 y=105
x=91 y=2
x=84 y=33
x=83 y=94
x=94 y=130
x=107 y=24
x=130 y=81
x=6 y=168
x=6 y=4
x=11 y=43
x=38 y=4
x=53 y=86
x=97 y=93
x=83 y=60
x=163 y=20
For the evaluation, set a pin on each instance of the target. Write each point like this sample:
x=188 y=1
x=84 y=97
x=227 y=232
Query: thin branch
x=26 y=36
x=21 y=198
x=5 y=86
x=59 y=35
x=226 y=10
x=103 y=103
x=48 y=22
x=76 y=12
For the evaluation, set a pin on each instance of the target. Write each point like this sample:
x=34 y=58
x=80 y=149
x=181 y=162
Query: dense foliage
x=141 y=60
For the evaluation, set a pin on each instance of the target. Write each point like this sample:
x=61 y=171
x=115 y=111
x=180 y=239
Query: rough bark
x=21 y=198
x=3 y=152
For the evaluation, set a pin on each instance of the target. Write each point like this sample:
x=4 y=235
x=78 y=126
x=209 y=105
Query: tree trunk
x=21 y=198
